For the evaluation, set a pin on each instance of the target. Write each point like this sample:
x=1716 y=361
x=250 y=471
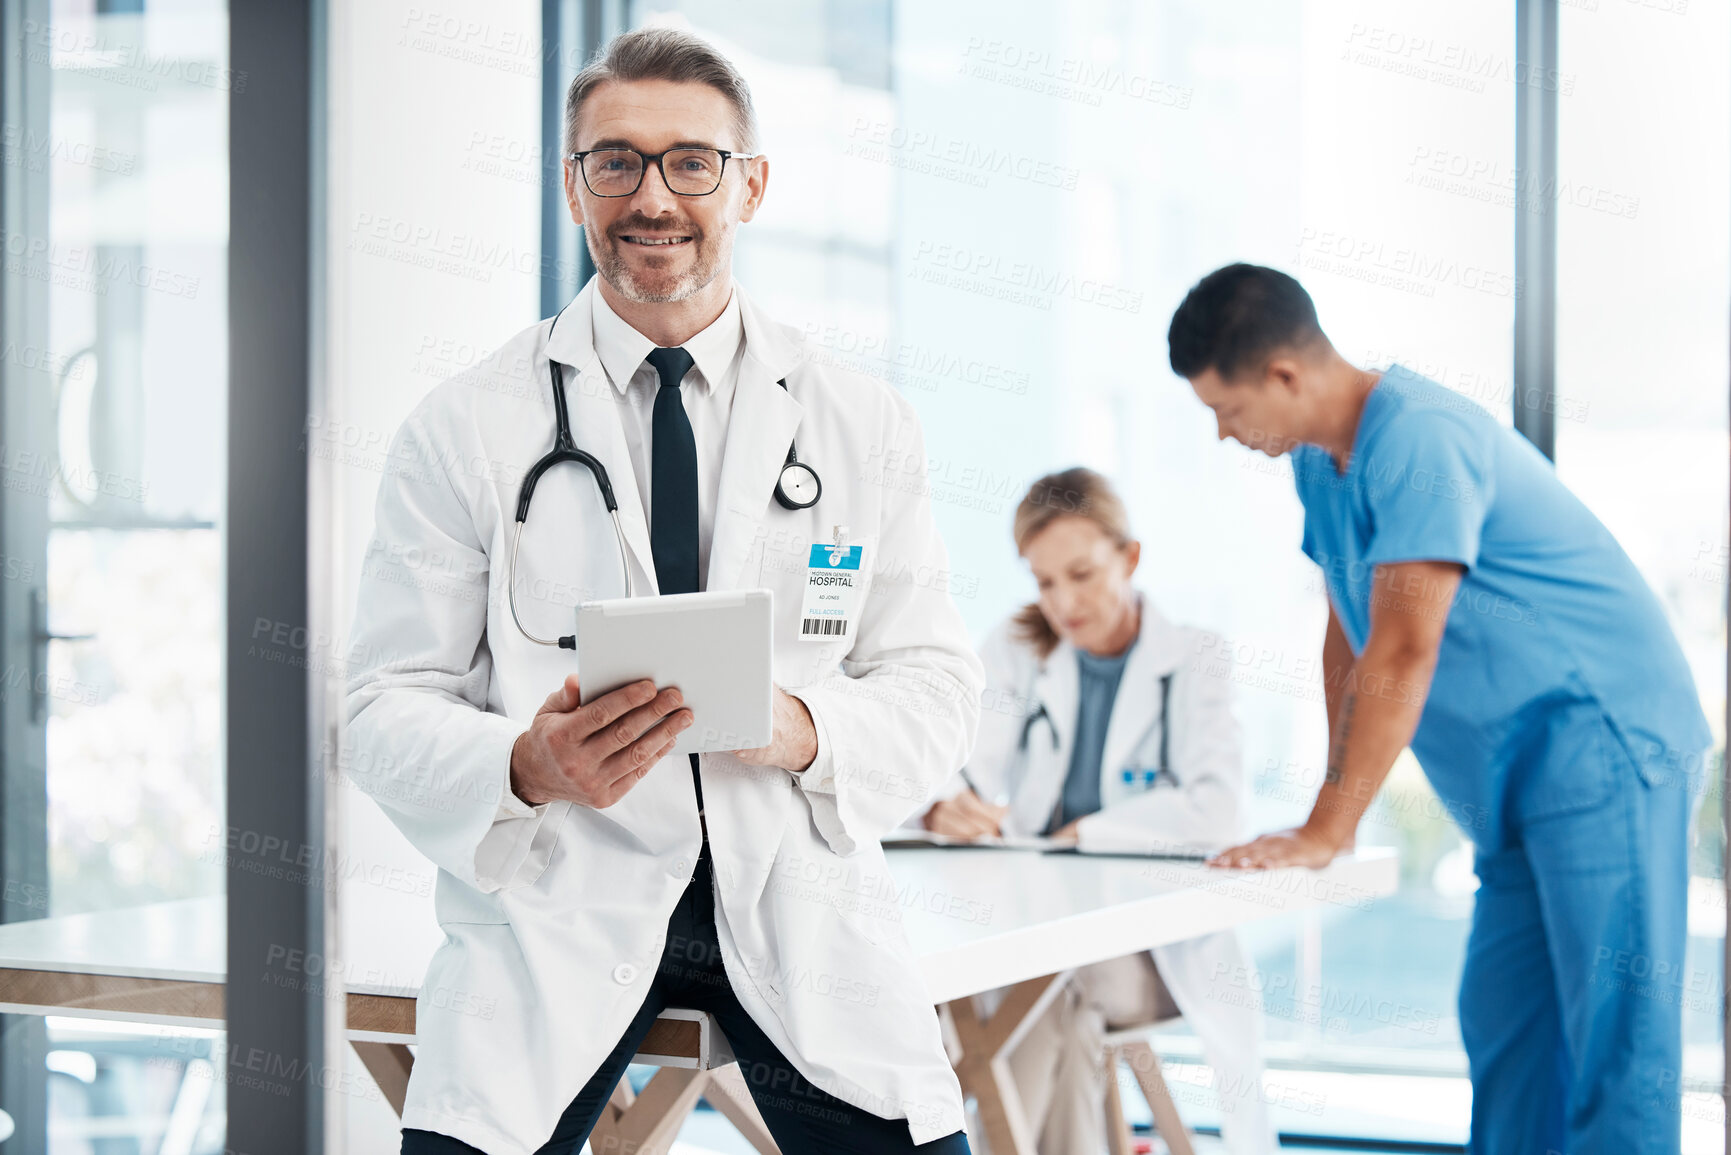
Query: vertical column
x=273 y=710
x=572 y=32
x=1536 y=223
x=27 y=419
x=564 y=258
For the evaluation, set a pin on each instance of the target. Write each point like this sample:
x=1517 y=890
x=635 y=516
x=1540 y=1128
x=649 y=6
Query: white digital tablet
x=713 y=646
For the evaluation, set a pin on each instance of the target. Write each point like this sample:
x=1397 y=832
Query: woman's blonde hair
x=1074 y=492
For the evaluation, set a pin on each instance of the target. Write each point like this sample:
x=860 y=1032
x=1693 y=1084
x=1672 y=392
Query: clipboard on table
x=1155 y=855
x=904 y=839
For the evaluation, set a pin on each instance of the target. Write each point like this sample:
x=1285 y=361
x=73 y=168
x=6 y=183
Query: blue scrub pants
x=1571 y=997
x=803 y=1119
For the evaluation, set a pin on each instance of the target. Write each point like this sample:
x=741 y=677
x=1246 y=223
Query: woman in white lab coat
x=1099 y=724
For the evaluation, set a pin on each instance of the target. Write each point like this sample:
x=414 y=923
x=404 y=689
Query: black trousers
x=803 y=1118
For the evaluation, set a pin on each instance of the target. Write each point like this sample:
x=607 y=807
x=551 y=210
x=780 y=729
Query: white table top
x=1049 y=912
x=182 y=940
x=976 y=918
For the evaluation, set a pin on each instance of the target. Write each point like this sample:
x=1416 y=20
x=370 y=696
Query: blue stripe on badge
x=820 y=555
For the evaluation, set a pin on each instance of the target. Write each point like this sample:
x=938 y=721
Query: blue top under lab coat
x=1096 y=693
x=1551 y=616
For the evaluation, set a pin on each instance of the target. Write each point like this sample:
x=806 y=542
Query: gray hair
x=663 y=54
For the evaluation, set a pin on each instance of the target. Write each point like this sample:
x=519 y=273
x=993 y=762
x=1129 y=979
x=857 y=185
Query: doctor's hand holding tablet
x=592 y=754
x=673 y=674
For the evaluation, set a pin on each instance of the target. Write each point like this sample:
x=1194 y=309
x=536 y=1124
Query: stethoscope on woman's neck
x=1161 y=771
x=797 y=487
x=1163 y=768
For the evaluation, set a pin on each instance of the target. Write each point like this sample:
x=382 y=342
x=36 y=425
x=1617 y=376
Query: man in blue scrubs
x=1479 y=613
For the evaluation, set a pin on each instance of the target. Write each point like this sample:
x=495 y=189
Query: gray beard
x=613 y=269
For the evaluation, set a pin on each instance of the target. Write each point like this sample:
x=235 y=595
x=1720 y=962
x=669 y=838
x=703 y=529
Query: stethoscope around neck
x=1163 y=768
x=797 y=487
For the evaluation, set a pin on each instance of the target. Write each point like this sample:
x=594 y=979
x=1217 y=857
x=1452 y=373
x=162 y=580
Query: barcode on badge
x=818 y=627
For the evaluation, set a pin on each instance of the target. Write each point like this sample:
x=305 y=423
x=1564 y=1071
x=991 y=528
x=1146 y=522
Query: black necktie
x=672 y=479
x=673 y=501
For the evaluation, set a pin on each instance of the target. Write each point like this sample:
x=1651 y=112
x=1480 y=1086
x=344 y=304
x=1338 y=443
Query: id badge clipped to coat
x=834 y=573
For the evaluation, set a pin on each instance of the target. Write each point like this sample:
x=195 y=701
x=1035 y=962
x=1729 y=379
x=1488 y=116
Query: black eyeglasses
x=689 y=172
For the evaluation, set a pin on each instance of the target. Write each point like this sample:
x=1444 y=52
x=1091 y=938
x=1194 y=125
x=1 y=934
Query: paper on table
x=1001 y=842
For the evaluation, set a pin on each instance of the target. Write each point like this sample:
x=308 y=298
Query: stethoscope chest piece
x=798 y=486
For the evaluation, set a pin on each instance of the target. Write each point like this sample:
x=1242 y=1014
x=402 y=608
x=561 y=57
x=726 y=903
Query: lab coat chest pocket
x=777 y=555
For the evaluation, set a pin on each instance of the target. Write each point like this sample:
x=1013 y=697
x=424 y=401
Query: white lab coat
x=1209 y=977
x=555 y=915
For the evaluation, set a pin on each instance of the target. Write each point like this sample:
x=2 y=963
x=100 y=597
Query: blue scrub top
x=1551 y=617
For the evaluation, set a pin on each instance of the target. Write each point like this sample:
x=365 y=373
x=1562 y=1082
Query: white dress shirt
x=707 y=394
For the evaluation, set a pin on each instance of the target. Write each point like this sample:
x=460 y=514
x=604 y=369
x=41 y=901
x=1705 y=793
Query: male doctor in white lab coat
x=586 y=880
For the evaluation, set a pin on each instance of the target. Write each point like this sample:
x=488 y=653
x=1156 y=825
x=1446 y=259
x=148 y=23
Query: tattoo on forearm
x=1337 y=756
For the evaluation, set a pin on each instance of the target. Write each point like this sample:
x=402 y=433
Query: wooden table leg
x=648 y=1123
x=1146 y=1064
x=640 y=1124
x=607 y=1124
x=389 y=1064
x=727 y=1093
x=984 y=1068
x=1118 y=1138
x=652 y=1121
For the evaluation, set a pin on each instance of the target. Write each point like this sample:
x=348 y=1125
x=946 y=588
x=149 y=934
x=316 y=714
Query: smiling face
x=654 y=246
x=1265 y=413
x=1084 y=580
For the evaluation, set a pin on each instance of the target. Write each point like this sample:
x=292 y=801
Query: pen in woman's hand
x=965 y=816
x=995 y=800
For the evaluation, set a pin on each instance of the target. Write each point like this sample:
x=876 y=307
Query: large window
x=1644 y=292
x=136 y=159
x=114 y=363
